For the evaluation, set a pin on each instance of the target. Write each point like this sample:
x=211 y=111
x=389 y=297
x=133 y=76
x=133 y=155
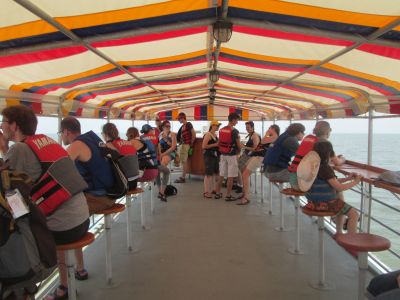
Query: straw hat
x=307 y=170
x=215 y=122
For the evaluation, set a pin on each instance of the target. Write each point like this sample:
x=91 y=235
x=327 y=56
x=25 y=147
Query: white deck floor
x=199 y=248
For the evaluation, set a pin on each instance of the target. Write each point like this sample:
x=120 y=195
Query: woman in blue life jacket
x=325 y=192
x=166 y=152
x=277 y=160
x=211 y=158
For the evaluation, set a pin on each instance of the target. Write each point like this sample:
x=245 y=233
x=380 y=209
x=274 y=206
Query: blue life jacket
x=278 y=155
x=321 y=191
x=97 y=171
x=148 y=153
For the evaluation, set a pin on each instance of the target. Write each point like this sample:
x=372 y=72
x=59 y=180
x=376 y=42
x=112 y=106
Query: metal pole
x=59 y=110
x=108 y=116
x=261 y=174
x=368 y=203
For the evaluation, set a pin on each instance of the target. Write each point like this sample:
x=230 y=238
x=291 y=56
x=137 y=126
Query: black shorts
x=71 y=235
x=211 y=164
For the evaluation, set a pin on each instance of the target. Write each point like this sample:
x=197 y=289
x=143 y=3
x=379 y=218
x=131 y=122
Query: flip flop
x=230 y=198
x=244 y=203
x=218 y=196
x=207 y=195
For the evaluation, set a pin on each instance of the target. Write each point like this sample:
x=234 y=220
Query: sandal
x=207 y=195
x=81 y=275
x=247 y=201
x=162 y=197
x=218 y=196
x=180 y=180
x=56 y=296
x=230 y=198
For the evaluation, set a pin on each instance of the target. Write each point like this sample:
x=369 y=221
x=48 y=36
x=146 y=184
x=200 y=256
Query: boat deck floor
x=198 y=248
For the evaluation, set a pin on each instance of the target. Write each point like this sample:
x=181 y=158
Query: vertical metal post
x=261 y=174
x=59 y=110
x=107 y=221
x=142 y=212
x=108 y=116
x=70 y=256
x=128 y=203
x=368 y=204
x=362 y=273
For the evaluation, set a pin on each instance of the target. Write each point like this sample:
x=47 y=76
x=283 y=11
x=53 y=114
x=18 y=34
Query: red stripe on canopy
x=150 y=37
x=27 y=58
x=391 y=52
x=291 y=36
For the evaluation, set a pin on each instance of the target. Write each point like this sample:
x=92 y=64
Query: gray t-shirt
x=69 y=214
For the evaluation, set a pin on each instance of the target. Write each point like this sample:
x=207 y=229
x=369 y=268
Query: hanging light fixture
x=213 y=93
x=211 y=100
x=214 y=76
x=222 y=31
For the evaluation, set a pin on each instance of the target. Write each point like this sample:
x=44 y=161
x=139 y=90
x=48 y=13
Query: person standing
x=211 y=157
x=186 y=137
x=229 y=146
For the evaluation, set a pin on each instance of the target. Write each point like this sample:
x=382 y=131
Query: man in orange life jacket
x=186 y=137
x=69 y=221
x=322 y=130
x=229 y=147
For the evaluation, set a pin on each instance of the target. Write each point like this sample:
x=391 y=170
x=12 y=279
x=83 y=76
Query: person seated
x=69 y=221
x=84 y=149
x=325 y=192
x=322 y=131
x=129 y=160
x=256 y=153
x=147 y=154
x=278 y=157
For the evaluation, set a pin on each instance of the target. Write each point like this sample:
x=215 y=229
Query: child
x=325 y=191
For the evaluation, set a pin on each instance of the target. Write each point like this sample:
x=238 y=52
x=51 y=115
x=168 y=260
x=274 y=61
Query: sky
x=388 y=126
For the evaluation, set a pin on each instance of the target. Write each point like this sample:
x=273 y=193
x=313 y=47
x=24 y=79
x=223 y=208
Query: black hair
x=251 y=123
x=233 y=116
x=295 y=129
x=72 y=124
x=325 y=150
x=276 y=128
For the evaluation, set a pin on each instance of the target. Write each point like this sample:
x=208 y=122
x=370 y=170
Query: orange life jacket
x=49 y=192
x=306 y=146
x=124 y=147
x=226 y=144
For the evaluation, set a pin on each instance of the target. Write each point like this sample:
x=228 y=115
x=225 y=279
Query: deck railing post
x=368 y=202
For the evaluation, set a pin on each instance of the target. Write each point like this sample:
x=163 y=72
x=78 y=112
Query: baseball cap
x=146 y=128
x=215 y=122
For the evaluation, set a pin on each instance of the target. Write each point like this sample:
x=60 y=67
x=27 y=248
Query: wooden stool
x=321 y=283
x=70 y=250
x=108 y=212
x=279 y=184
x=128 y=202
x=363 y=243
x=296 y=194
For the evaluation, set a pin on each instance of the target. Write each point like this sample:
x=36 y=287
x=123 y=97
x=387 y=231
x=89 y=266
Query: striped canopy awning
x=293 y=59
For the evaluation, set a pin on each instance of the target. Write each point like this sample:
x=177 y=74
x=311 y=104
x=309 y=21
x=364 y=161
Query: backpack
x=170 y=190
x=120 y=187
x=27 y=247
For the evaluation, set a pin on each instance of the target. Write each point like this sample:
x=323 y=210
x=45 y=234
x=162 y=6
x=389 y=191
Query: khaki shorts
x=228 y=166
x=183 y=154
x=254 y=163
x=97 y=203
